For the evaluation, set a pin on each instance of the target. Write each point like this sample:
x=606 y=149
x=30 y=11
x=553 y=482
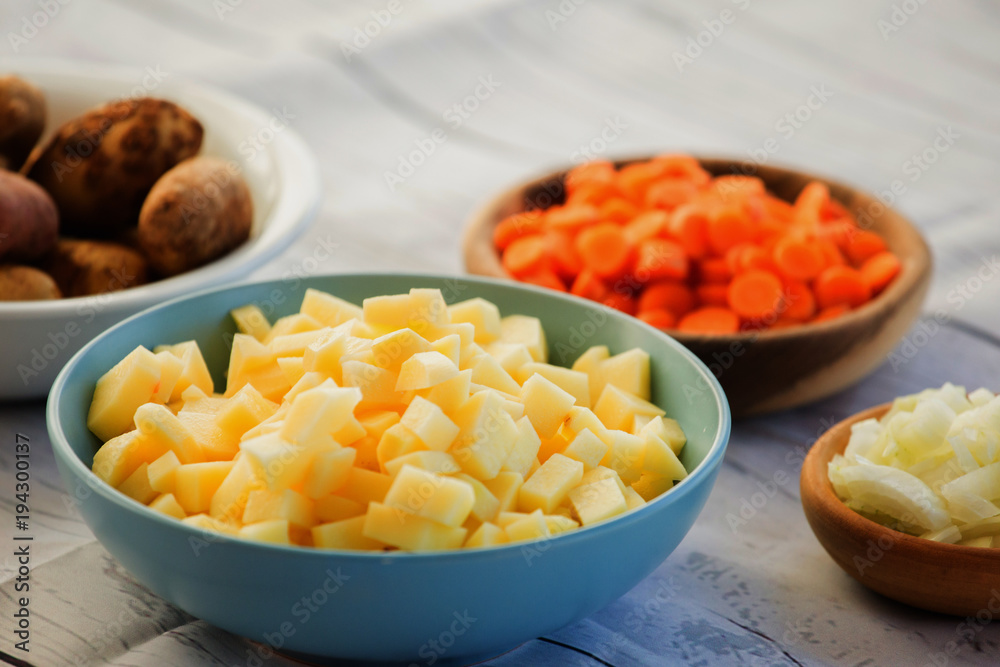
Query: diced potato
x=329 y=472
x=170 y=372
x=161 y=472
x=660 y=459
x=558 y=523
x=399 y=528
x=205 y=523
x=586 y=448
x=505 y=488
x=393 y=311
x=288 y=505
x=429 y=460
x=527 y=331
x=531 y=527
x=317 y=413
x=294 y=345
x=597 y=501
x=667 y=430
x=375 y=423
x=328 y=309
x=430 y=424
x=510 y=356
x=488 y=372
x=195 y=371
x=599 y=473
x=395 y=442
x=292 y=324
x=469 y=355
x=345 y=533
x=616 y=408
x=335 y=508
x=549 y=485
x=377 y=385
x=574 y=382
x=554 y=445
x=482 y=314
x=167 y=504
x=425 y=369
x=230 y=499
x=525 y=450
x=545 y=404
x=583 y=418
x=119 y=457
x=486 y=535
x=136 y=485
x=450 y=346
x=251 y=321
x=486 y=435
x=633 y=499
x=428 y=307
x=651 y=485
x=244 y=410
x=626 y=456
x=364 y=486
x=446 y=500
x=391 y=350
x=196 y=483
x=157 y=423
x=215 y=443
x=450 y=394
x=130 y=383
x=486 y=506
x=272 y=532
x=283 y=464
x=292 y=367
x=629 y=371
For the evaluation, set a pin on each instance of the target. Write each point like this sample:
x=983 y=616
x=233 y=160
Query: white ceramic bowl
x=283 y=176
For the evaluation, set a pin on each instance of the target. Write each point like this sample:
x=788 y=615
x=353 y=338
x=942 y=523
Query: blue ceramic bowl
x=425 y=608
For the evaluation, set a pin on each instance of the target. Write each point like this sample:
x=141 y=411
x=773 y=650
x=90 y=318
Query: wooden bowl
x=769 y=370
x=946 y=578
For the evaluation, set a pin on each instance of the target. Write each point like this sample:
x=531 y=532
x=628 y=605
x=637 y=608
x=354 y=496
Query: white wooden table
x=856 y=90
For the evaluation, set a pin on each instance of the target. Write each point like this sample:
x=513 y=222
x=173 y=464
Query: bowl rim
x=298 y=198
x=822 y=499
x=712 y=460
x=904 y=282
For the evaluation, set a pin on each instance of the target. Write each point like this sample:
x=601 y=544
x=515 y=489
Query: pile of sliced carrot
x=665 y=241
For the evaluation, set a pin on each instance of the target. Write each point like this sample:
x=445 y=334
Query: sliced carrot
x=714 y=271
x=831 y=255
x=618 y=210
x=622 y=302
x=669 y=193
x=737 y=187
x=681 y=166
x=785 y=323
x=713 y=295
x=672 y=296
x=879 y=270
x=659 y=318
x=634 y=179
x=831 y=313
x=797 y=302
x=728 y=226
x=660 y=259
x=525 y=255
x=841 y=285
x=572 y=217
x=755 y=294
x=833 y=210
x=734 y=257
x=798 y=258
x=588 y=173
x=646 y=225
x=779 y=210
x=810 y=202
x=561 y=250
x=589 y=286
x=594 y=193
x=863 y=244
x=543 y=277
x=711 y=320
x=515 y=226
x=604 y=250
x=689 y=226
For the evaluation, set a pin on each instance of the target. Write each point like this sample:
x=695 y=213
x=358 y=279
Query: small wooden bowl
x=770 y=370
x=946 y=578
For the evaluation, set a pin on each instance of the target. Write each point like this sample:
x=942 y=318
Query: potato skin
x=100 y=166
x=29 y=221
x=200 y=210
x=22 y=120
x=83 y=268
x=26 y=283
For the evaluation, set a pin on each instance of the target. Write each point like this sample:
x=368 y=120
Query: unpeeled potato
x=26 y=283
x=22 y=119
x=99 y=167
x=83 y=268
x=29 y=222
x=198 y=211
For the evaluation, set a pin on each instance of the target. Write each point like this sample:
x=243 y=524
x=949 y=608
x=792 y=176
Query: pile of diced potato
x=403 y=424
